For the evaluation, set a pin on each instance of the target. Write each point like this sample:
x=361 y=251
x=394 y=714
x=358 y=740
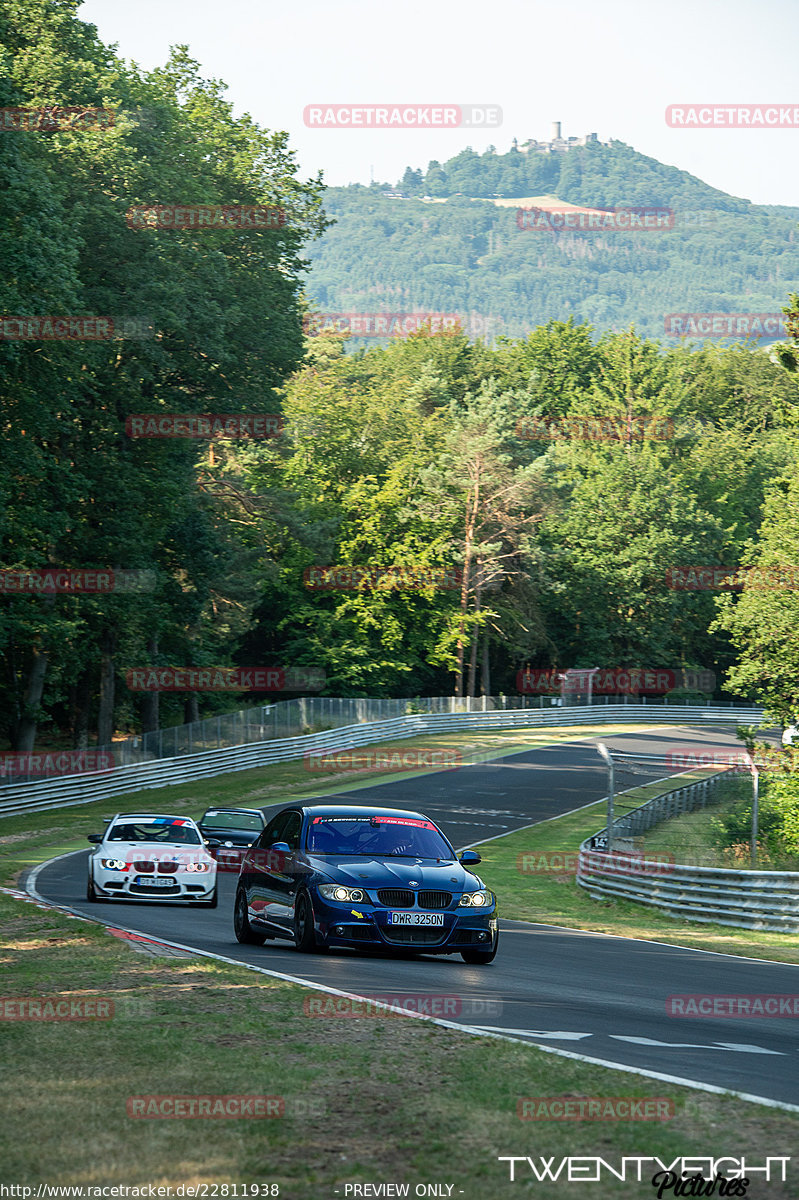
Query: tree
x=494 y=506
x=763 y=621
x=787 y=355
x=224 y=312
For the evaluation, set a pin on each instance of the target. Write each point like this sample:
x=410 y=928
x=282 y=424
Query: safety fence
x=123 y=780
x=291 y=718
x=748 y=899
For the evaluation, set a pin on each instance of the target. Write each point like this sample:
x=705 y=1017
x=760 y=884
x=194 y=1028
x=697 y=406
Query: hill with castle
x=448 y=239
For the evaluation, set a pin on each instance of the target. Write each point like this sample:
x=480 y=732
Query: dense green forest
x=464 y=255
x=410 y=456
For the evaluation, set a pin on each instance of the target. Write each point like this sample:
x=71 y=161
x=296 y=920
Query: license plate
x=155 y=880
x=407 y=918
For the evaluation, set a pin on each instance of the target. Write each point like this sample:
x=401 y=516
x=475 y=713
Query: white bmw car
x=147 y=856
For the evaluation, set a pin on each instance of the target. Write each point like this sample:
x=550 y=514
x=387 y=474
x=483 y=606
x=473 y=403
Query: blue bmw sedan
x=365 y=879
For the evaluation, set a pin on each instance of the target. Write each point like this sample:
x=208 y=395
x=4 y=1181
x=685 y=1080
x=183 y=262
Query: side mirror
x=212 y=842
x=281 y=847
x=96 y=838
x=470 y=858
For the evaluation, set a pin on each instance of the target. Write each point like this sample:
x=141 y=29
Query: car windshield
x=160 y=830
x=227 y=820
x=376 y=837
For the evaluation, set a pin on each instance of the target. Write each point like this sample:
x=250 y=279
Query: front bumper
x=367 y=927
x=113 y=885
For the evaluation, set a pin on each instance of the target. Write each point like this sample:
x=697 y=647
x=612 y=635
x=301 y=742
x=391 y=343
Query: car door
x=255 y=875
x=283 y=870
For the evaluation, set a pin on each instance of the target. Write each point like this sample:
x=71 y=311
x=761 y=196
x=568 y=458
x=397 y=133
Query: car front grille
x=414 y=935
x=405 y=898
x=167 y=868
x=144 y=867
x=396 y=897
x=150 y=889
x=435 y=899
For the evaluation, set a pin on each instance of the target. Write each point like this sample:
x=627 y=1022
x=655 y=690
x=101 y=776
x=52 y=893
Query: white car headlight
x=345 y=895
x=114 y=864
x=475 y=899
x=198 y=866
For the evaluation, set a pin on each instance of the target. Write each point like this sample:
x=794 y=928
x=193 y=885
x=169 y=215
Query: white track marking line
x=740 y=1047
x=537 y=1033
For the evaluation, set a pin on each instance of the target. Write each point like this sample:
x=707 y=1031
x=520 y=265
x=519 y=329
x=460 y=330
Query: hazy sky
x=610 y=66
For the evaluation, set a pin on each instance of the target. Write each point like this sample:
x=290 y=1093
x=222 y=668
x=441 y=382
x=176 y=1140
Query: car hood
x=379 y=872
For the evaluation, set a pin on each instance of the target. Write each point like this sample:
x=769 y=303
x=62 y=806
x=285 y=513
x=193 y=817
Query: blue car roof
x=360 y=810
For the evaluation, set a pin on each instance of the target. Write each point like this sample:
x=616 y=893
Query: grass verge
x=366 y=1100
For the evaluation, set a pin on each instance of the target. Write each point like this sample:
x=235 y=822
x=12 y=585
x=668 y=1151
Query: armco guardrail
x=291 y=718
x=138 y=777
x=713 y=895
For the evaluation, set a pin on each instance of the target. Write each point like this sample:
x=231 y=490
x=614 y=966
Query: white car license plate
x=155 y=880
x=410 y=918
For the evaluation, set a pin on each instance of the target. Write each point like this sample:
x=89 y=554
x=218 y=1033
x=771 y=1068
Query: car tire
x=481 y=957
x=304 y=933
x=91 y=894
x=214 y=901
x=245 y=934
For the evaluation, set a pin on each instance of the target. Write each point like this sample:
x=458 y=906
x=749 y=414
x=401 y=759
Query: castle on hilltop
x=558 y=144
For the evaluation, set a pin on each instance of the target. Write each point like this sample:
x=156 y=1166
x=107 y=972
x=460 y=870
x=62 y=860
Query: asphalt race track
x=596 y=996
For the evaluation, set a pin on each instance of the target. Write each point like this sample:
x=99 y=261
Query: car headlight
x=197 y=866
x=345 y=895
x=475 y=899
x=114 y=864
